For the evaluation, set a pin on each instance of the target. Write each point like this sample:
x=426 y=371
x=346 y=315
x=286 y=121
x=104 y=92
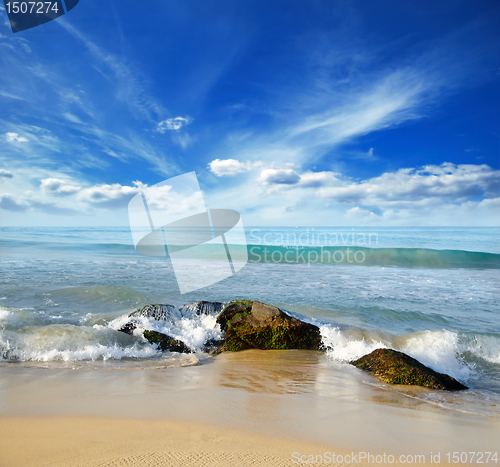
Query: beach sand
x=245 y=408
x=78 y=441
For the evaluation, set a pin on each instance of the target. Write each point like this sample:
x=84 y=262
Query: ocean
x=431 y=292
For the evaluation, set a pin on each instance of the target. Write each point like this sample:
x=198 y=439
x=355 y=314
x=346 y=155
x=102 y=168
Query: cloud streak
x=129 y=88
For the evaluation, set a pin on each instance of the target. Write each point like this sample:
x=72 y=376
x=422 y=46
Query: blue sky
x=291 y=112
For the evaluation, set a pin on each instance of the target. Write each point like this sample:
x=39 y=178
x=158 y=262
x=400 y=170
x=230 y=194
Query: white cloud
x=14 y=137
x=110 y=196
x=9 y=203
x=57 y=186
x=358 y=213
x=318 y=179
x=411 y=187
x=289 y=179
x=278 y=177
x=5 y=174
x=174 y=124
x=230 y=167
x=162 y=198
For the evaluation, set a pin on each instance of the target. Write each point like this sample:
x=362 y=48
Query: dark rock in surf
x=157 y=312
x=395 y=367
x=128 y=328
x=201 y=308
x=260 y=326
x=166 y=342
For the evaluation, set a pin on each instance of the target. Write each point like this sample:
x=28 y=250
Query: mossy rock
x=395 y=367
x=166 y=342
x=261 y=326
x=232 y=310
x=247 y=303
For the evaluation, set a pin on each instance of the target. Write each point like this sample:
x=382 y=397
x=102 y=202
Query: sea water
x=430 y=292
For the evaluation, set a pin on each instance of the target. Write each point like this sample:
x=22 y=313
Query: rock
x=396 y=367
x=261 y=326
x=128 y=328
x=157 y=312
x=166 y=342
x=235 y=308
x=213 y=346
x=201 y=308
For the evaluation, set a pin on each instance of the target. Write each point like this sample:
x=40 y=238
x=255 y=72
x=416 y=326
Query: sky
x=331 y=112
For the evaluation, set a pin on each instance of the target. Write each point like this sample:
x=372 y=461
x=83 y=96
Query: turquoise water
x=431 y=292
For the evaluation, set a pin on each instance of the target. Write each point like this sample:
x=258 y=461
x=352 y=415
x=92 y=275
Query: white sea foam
x=443 y=351
x=71 y=343
x=347 y=345
x=487 y=348
x=194 y=331
x=439 y=350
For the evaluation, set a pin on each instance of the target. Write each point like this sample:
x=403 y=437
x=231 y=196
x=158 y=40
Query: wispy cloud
x=15 y=138
x=68 y=122
x=324 y=121
x=11 y=96
x=173 y=124
x=72 y=118
x=129 y=87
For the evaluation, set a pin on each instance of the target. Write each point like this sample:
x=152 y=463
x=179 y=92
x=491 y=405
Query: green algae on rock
x=395 y=367
x=259 y=326
x=232 y=310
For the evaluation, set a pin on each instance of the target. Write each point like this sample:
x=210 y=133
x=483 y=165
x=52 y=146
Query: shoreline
x=274 y=400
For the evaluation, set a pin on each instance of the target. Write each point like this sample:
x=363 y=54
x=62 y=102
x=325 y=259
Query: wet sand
x=245 y=408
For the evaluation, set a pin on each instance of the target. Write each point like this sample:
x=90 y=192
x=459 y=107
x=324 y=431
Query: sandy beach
x=78 y=441
x=245 y=408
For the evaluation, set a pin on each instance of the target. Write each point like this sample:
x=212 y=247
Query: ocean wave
x=350 y=254
x=363 y=256
x=26 y=335
x=66 y=342
x=29 y=335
